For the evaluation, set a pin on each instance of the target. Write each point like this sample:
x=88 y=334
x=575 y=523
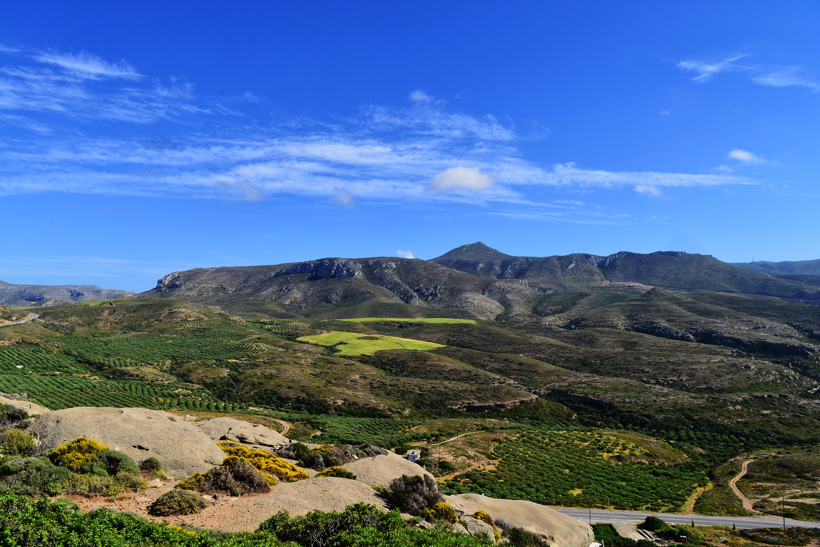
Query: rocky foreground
x=186 y=445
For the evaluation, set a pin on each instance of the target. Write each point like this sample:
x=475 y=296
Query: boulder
x=380 y=470
x=30 y=408
x=558 y=529
x=182 y=447
x=298 y=498
x=254 y=436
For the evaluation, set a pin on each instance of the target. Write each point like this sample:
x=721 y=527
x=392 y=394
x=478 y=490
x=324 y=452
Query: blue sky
x=145 y=138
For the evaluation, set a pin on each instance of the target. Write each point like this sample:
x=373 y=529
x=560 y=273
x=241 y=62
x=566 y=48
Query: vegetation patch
x=428 y=320
x=586 y=469
x=351 y=343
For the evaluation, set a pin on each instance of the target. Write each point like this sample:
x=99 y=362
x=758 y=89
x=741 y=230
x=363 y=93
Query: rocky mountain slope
x=668 y=269
x=470 y=281
x=328 y=285
x=52 y=295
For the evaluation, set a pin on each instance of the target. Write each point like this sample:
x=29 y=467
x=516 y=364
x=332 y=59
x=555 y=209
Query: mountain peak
x=474 y=251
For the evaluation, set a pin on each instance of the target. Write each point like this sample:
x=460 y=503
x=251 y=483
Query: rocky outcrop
x=380 y=470
x=30 y=408
x=254 y=436
x=558 y=529
x=182 y=447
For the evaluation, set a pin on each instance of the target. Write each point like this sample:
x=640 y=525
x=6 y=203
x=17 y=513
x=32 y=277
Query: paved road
x=26 y=320
x=598 y=515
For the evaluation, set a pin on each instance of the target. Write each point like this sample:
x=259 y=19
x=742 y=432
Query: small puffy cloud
x=746 y=157
x=650 y=191
x=664 y=113
x=419 y=96
x=405 y=254
x=89 y=66
x=341 y=197
x=466 y=178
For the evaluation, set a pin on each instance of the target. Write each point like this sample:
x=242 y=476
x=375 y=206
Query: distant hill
x=801 y=271
x=668 y=269
x=51 y=295
x=786 y=267
x=341 y=287
x=473 y=281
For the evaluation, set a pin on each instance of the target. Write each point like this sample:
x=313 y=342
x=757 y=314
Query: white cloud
x=342 y=197
x=651 y=191
x=419 y=96
x=466 y=178
x=762 y=74
x=86 y=65
x=708 y=68
x=746 y=157
x=206 y=150
x=405 y=254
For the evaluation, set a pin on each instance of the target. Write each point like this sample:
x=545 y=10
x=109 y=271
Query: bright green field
x=352 y=343
x=416 y=320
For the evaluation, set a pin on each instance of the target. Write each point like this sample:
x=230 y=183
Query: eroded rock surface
x=558 y=529
x=254 y=436
x=181 y=446
x=380 y=470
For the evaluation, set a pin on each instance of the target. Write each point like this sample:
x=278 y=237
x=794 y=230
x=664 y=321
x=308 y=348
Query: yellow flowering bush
x=264 y=462
x=76 y=453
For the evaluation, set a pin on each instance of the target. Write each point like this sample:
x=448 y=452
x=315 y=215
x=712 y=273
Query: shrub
x=151 y=465
x=442 y=511
x=96 y=485
x=34 y=476
x=654 y=524
x=178 y=502
x=483 y=516
x=336 y=471
x=194 y=482
x=16 y=442
x=236 y=476
x=414 y=494
x=264 y=462
x=111 y=462
x=76 y=453
x=317 y=527
x=518 y=537
x=12 y=415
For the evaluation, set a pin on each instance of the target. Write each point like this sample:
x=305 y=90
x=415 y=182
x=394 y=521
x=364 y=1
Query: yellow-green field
x=414 y=320
x=352 y=343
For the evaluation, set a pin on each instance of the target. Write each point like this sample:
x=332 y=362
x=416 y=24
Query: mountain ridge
x=51 y=295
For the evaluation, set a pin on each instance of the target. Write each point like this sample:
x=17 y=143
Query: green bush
x=33 y=476
x=414 y=494
x=111 y=462
x=518 y=537
x=336 y=471
x=654 y=524
x=236 y=476
x=151 y=465
x=16 y=442
x=178 y=502
x=96 y=485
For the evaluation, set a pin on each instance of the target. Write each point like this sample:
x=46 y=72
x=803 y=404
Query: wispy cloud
x=425 y=153
x=759 y=73
x=86 y=65
x=651 y=191
x=746 y=157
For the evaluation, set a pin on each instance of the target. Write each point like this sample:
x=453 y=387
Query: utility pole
x=783 y=509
